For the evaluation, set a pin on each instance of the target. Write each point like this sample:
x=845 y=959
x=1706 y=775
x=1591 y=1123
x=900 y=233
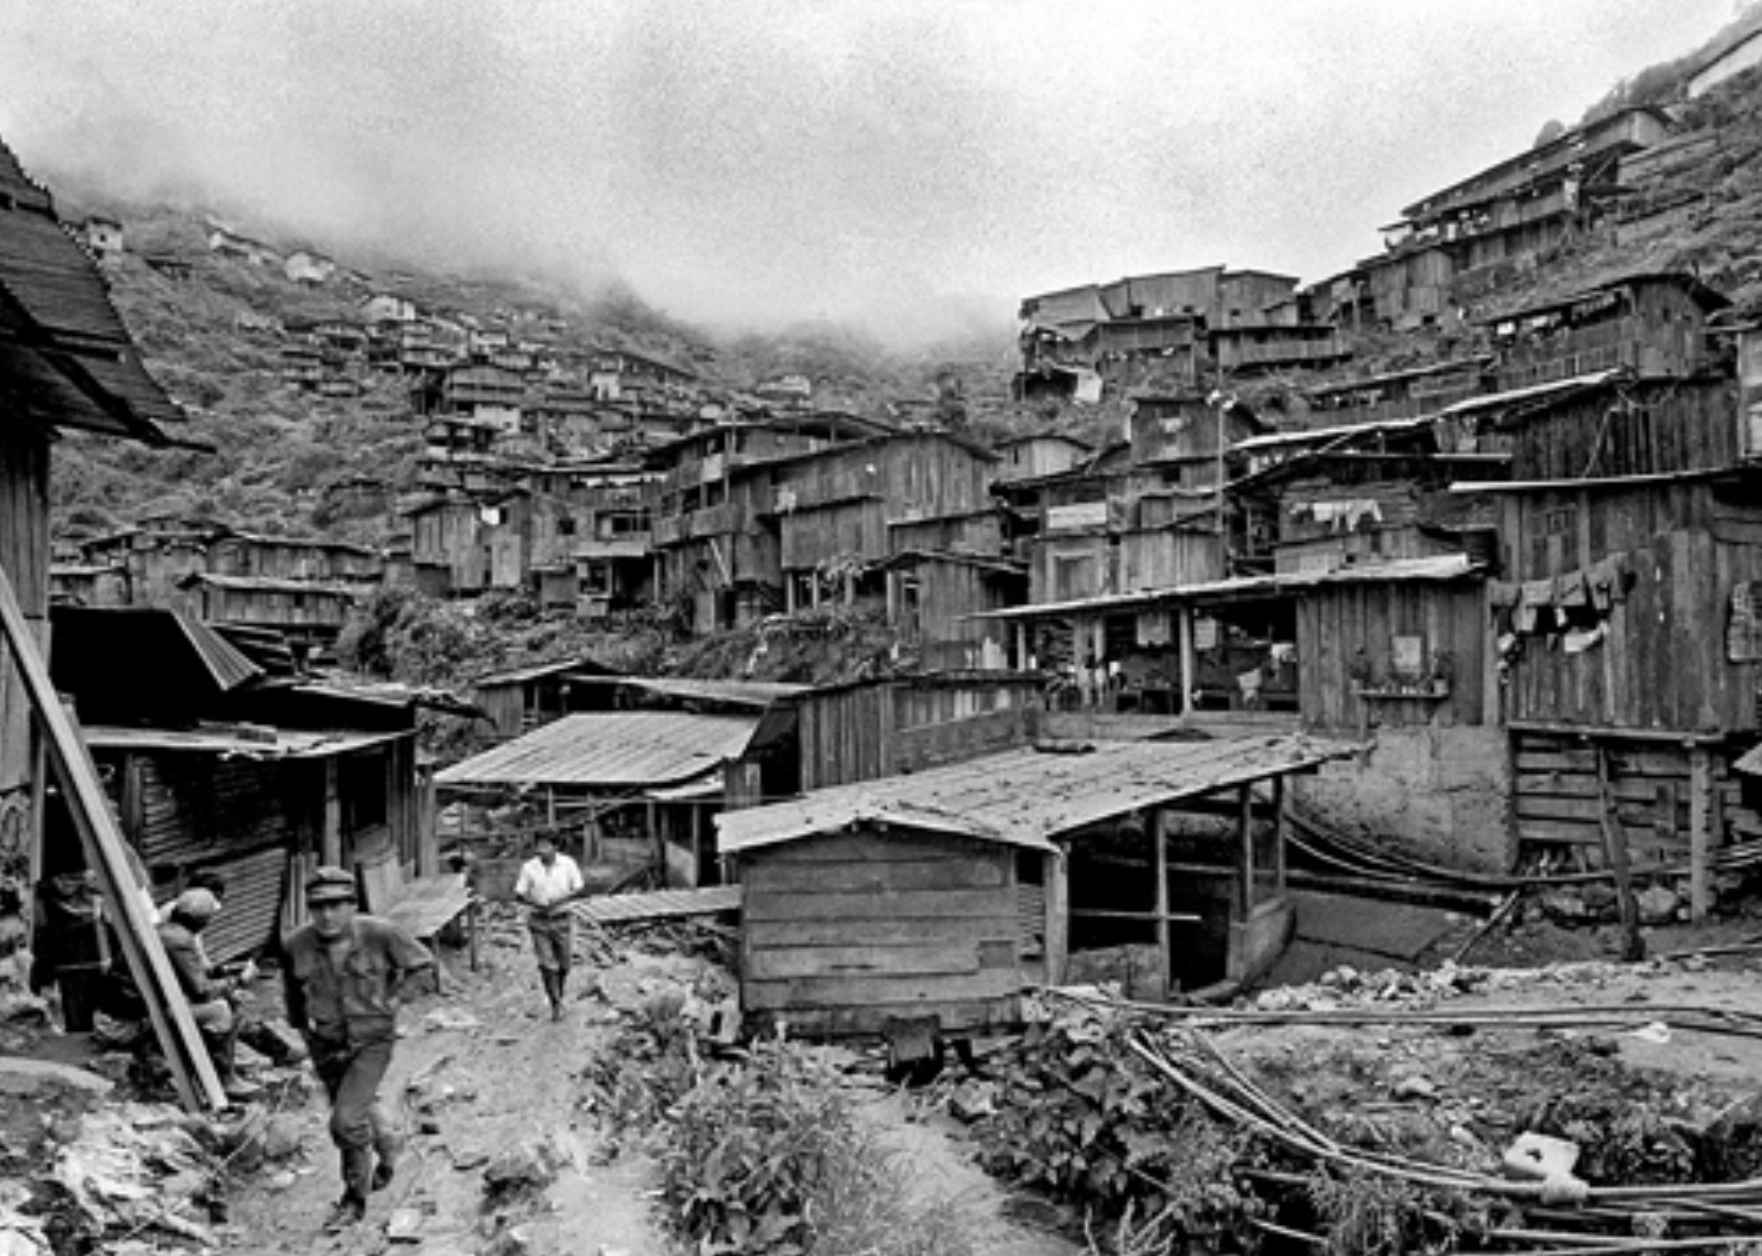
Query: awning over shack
x=1029 y=797
x=611 y=749
x=1441 y=567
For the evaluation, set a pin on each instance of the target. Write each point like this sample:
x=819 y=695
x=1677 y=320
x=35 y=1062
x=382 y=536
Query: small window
x=1559 y=522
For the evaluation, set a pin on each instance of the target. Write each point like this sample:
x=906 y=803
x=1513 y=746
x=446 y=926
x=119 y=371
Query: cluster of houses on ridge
x=1495 y=609
x=514 y=383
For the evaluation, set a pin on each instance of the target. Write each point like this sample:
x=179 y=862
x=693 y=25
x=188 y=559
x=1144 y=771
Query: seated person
x=211 y=996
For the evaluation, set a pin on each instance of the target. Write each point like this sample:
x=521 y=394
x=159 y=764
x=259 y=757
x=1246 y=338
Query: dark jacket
x=354 y=999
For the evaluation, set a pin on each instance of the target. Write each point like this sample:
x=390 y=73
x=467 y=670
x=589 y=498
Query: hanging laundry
x=1578 y=640
x=1249 y=683
x=1569 y=590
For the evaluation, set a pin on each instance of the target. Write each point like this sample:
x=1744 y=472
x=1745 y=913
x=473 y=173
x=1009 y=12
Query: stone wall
x=1435 y=794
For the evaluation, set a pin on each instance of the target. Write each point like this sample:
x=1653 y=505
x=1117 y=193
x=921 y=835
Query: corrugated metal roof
x=611 y=749
x=662 y=905
x=743 y=692
x=1029 y=797
x=1399 y=571
x=225 y=662
x=288 y=744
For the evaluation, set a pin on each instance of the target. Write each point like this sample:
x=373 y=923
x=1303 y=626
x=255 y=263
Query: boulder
x=1657 y=905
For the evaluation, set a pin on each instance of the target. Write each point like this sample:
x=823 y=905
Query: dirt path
x=492 y=1074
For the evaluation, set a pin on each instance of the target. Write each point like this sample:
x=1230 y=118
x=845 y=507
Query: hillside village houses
x=1489 y=570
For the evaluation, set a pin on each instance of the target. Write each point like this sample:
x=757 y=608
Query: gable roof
x=1028 y=797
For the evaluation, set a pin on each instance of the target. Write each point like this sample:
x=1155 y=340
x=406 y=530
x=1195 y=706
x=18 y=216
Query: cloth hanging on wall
x=1541 y=606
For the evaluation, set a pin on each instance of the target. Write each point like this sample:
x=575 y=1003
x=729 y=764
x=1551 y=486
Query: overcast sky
x=901 y=163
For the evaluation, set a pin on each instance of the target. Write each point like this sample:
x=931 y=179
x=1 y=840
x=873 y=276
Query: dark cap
x=330 y=885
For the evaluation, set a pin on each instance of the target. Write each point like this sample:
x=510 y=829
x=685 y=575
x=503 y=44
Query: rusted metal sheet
x=611 y=749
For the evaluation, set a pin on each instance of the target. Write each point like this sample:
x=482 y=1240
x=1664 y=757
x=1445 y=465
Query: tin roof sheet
x=1400 y=571
x=1029 y=797
x=284 y=744
x=611 y=749
x=520 y=675
x=741 y=692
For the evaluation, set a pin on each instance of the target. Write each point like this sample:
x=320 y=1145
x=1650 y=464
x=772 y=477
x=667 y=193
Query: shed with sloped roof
x=946 y=891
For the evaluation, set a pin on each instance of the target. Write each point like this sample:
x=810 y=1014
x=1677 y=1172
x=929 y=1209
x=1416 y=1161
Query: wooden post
x=1279 y=830
x=191 y=1069
x=330 y=841
x=1700 y=828
x=1023 y=662
x=1189 y=658
x=1615 y=851
x=697 y=843
x=1245 y=839
x=1058 y=916
x=1160 y=860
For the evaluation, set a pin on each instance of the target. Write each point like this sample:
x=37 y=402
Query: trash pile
x=81 y=1171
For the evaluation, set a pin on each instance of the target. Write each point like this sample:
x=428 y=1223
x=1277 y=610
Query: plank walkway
x=660 y=905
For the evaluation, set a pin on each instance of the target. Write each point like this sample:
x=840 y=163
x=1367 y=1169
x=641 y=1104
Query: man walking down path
x=548 y=882
x=342 y=975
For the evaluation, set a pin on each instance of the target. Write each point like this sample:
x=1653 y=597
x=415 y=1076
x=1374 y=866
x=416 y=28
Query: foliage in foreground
x=762 y=1152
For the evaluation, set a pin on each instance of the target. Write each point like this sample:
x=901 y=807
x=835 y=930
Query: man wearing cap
x=342 y=974
x=548 y=881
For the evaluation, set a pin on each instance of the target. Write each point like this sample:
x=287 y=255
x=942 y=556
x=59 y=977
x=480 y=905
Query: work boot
x=357 y=1174
x=348 y=1211
x=232 y=1085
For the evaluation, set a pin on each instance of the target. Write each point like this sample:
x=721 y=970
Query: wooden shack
x=868 y=729
x=526 y=698
x=66 y=364
x=311 y=611
x=212 y=770
x=1625 y=630
x=945 y=892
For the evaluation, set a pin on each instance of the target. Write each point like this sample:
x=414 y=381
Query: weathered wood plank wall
x=1663 y=665
x=1333 y=622
x=842 y=932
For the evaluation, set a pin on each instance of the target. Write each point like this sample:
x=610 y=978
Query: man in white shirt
x=548 y=881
